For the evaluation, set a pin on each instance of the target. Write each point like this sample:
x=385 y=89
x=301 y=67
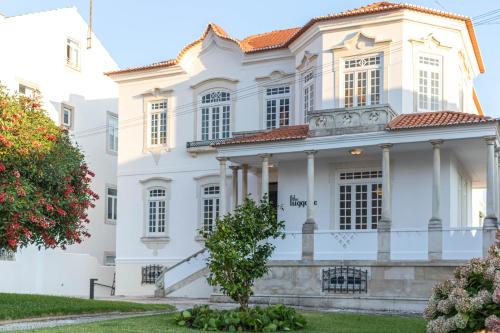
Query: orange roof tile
x=297 y=132
x=435 y=119
x=283 y=38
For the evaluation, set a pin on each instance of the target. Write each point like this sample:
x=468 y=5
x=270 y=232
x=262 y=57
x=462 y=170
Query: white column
x=222 y=185
x=384 y=226
x=310 y=186
x=497 y=207
x=265 y=175
x=234 y=200
x=310 y=224
x=490 y=221
x=435 y=227
x=490 y=180
x=244 y=181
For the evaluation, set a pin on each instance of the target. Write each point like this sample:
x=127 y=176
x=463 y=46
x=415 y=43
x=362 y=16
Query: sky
x=139 y=32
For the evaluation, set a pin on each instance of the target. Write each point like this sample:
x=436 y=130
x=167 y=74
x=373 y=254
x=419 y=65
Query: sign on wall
x=296 y=202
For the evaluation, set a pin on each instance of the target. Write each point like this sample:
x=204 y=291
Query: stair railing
x=160 y=280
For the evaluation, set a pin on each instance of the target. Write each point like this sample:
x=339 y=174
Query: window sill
x=199 y=238
x=73 y=67
x=156 y=149
x=155 y=239
x=110 y=222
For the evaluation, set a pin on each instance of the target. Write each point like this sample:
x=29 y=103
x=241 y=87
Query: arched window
x=215 y=115
x=210 y=195
x=157 y=210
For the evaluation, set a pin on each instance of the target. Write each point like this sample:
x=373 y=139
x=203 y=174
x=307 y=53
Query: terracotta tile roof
x=283 y=38
x=435 y=119
x=297 y=132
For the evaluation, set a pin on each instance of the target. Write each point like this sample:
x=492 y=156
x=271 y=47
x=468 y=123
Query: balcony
x=201 y=146
x=350 y=120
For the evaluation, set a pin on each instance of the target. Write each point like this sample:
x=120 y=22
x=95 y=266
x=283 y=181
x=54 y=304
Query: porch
x=378 y=195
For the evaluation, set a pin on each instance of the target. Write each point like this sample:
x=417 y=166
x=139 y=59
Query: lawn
x=16 y=306
x=317 y=323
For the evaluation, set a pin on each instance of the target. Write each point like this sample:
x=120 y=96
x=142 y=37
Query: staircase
x=181 y=274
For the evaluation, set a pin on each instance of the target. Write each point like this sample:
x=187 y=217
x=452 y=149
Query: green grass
x=17 y=306
x=316 y=322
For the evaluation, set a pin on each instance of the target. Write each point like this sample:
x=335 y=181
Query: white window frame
x=27 y=90
x=215 y=115
x=352 y=183
x=157 y=114
x=73 y=53
x=111 y=133
x=281 y=97
x=429 y=100
x=308 y=91
x=157 y=214
x=215 y=206
x=363 y=68
x=149 y=184
x=71 y=110
x=114 y=204
x=109 y=254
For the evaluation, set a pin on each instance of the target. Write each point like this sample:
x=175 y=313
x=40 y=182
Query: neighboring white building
x=371 y=114
x=47 y=51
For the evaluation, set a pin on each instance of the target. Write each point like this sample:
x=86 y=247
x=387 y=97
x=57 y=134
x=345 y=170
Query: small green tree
x=240 y=248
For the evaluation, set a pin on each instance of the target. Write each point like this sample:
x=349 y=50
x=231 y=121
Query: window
x=277 y=107
x=112 y=135
x=111 y=204
x=360 y=199
x=7 y=255
x=67 y=116
x=308 y=92
x=429 y=83
x=27 y=90
x=109 y=259
x=73 y=53
x=157 y=211
x=150 y=273
x=210 y=206
x=158 y=123
x=362 y=81
x=215 y=115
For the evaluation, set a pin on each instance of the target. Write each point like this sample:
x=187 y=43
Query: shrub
x=240 y=247
x=268 y=319
x=470 y=301
x=44 y=181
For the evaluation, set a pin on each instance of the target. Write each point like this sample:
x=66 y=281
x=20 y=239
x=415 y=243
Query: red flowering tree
x=44 y=181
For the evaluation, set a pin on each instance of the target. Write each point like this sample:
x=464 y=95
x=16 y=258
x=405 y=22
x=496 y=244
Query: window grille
x=345 y=280
x=150 y=273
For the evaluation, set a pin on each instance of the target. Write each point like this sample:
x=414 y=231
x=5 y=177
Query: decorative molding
x=212 y=80
x=360 y=41
x=156 y=93
x=275 y=75
x=307 y=60
x=157 y=179
x=429 y=42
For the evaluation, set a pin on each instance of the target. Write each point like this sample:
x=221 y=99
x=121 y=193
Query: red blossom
x=2 y=167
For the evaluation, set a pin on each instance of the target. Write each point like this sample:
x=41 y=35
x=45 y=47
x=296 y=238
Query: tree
x=44 y=181
x=240 y=248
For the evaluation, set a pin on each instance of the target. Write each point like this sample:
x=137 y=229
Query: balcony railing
x=339 y=121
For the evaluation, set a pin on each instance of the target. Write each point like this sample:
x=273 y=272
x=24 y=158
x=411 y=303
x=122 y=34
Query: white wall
x=34 y=53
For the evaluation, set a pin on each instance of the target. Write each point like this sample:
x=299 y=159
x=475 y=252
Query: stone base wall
x=392 y=286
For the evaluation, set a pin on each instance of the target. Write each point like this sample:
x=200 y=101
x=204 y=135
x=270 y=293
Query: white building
x=47 y=51
x=370 y=114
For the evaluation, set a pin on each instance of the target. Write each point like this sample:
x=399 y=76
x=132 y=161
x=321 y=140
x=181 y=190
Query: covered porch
x=398 y=194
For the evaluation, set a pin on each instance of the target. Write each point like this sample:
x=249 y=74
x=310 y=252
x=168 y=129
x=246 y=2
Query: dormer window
x=362 y=80
x=72 y=53
x=215 y=115
x=429 y=83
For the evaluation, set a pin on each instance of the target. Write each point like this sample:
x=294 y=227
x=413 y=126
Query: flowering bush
x=470 y=301
x=44 y=181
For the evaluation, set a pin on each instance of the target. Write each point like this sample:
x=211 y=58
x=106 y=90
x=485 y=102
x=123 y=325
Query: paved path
x=70 y=320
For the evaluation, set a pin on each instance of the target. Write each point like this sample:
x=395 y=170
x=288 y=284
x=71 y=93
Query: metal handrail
x=159 y=280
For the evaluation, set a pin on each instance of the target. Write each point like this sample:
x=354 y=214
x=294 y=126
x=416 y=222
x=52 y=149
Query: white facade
x=401 y=61
x=47 y=51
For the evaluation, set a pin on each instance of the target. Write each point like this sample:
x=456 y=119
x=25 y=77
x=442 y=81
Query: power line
x=190 y=107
